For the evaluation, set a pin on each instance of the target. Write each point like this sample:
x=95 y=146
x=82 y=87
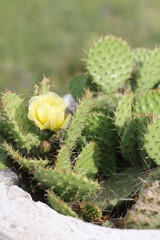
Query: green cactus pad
x=119 y=188
x=69 y=186
x=129 y=145
x=140 y=56
x=108 y=161
x=124 y=112
x=91 y=212
x=142 y=123
x=3 y=164
x=93 y=87
x=63 y=159
x=148 y=103
x=152 y=141
x=59 y=205
x=145 y=214
x=149 y=74
x=77 y=86
x=87 y=163
x=4 y=161
x=78 y=121
x=110 y=63
x=106 y=102
x=74 y=132
x=3 y=156
x=28 y=163
x=43 y=88
x=15 y=112
x=100 y=129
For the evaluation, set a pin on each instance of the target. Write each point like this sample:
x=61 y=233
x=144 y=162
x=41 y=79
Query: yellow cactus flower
x=47 y=111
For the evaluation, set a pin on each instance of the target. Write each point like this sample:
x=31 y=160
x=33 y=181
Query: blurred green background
x=46 y=37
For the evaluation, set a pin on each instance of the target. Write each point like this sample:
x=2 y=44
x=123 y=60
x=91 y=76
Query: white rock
x=9 y=177
x=23 y=219
x=4 y=237
x=70 y=103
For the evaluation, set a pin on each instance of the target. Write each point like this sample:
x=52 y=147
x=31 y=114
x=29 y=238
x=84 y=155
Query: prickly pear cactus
x=14 y=111
x=152 y=141
x=59 y=205
x=77 y=86
x=129 y=144
x=123 y=112
x=88 y=161
x=92 y=164
x=146 y=212
x=147 y=103
x=68 y=185
x=4 y=163
x=110 y=63
x=140 y=56
x=149 y=74
x=100 y=128
x=43 y=88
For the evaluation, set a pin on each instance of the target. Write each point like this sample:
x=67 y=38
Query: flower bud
x=45 y=146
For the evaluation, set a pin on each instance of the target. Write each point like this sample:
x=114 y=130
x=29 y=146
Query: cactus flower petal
x=47 y=111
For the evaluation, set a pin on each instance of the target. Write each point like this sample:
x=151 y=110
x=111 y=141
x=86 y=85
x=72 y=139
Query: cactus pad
x=28 y=163
x=77 y=86
x=140 y=56
x=149 y=74
x=152 y=141
x=43 y=88
x=14 y=110
x=69 y=186
x=145 y=214
x=87 y=163
x=100 y=128
x=148 y=103
x=110 y=63
x=59 y=205
x=78 y=121
x=129 y=145
x=124 y=112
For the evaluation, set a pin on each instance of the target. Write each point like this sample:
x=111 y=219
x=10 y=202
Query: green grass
x=47 y=37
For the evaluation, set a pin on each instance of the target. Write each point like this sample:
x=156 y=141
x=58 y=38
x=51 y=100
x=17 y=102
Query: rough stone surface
x=9 y=177
x=21 y=219
x=4 y=237
x=70 y=103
